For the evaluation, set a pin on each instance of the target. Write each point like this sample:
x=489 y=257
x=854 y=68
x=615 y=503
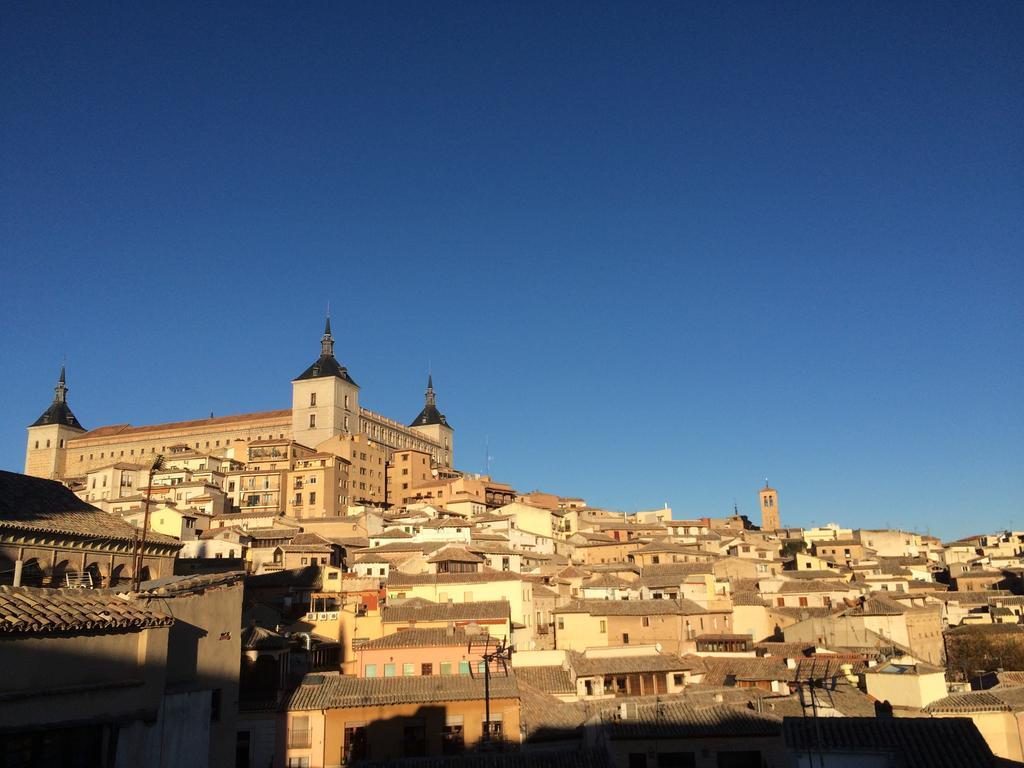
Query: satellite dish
x=657 y=647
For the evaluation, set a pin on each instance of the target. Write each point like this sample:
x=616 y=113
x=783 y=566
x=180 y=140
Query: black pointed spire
x=429 y=415
x=60 y=392
x=327 y=340
x=59 y=412
x=326 y=365
x=431 y=399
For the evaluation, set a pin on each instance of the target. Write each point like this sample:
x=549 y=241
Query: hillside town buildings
x=322 y=586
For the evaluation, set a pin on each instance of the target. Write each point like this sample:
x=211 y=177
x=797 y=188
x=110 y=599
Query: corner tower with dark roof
x=325 y=398
x=46 y=452
x=431 y=423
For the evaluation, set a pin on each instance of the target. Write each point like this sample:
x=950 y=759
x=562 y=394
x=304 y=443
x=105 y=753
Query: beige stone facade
x=325 y=405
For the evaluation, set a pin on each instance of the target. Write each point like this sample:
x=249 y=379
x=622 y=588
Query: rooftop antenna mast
x=812 y=682
x=502 y=654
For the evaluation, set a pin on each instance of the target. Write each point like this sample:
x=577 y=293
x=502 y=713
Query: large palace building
x=325 y=405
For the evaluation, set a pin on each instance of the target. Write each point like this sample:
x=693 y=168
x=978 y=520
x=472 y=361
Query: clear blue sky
x=653 y=252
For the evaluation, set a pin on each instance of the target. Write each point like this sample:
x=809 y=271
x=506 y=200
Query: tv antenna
x=810 y=683
x=500 y=655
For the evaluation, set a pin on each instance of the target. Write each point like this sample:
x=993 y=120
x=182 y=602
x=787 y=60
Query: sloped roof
x=35 y=504
x=679 y=719
x=343 y=691
x=417 y=609
x=172 y=586
x=942 y=742
x=256 y=638
x=548 y=678
x=967 y=703
x=326 y=366
x=810 y=585
x=400 y=579
x=745 y=668
x=632 y=607
x=585 y=666
x=422 y=637
x=36 y=610
x=128 y=429
x=456 y=554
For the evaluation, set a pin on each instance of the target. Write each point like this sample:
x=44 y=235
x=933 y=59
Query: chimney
x=450 y=629
x=848 y=672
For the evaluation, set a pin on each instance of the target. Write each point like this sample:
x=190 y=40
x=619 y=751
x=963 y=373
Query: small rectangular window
x=371 y=670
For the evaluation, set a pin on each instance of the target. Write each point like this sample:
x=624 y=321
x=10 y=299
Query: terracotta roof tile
x=417 y=609
x=34 y=504
x=549 y=679
x=913 y=742
x=34 y=610
x=342 y=691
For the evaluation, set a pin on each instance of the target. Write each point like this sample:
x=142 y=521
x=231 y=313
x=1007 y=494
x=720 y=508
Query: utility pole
x=157 y=464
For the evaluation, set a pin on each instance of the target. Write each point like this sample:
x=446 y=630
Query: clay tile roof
x=35 y=610
x=966 y=703
x=418 y=609
x=573 y=572
x=394 y=533
x=128 y=429
x=445 y=522
x=748 y=598
x=632 y=607
x=400 y=579
x=342 y=691
x=418 y=637
x=169 y=586
x=260 y=639
x=914 y=742
x=626 y=664
x=453 y=553
x=744 y=668
x=549 y=679
x=679 y=719
x=314 y=548
x=599 y=580
x=34 y=504
x=809 y=585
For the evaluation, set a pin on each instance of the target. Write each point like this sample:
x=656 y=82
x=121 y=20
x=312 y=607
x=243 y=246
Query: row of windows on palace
x=163 y=449
x=394 y=438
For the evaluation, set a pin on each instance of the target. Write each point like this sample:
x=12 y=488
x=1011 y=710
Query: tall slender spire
x=429 y=415
x=327 y=340
x=59 y=412
x=431 y=399
x=60 y=392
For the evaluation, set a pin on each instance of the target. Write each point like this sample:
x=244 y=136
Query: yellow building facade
x=325 y=405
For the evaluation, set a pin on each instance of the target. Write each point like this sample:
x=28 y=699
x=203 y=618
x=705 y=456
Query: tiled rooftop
x=417 y=609
x=34 y=610
x=914 y=742
x=342 y=691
